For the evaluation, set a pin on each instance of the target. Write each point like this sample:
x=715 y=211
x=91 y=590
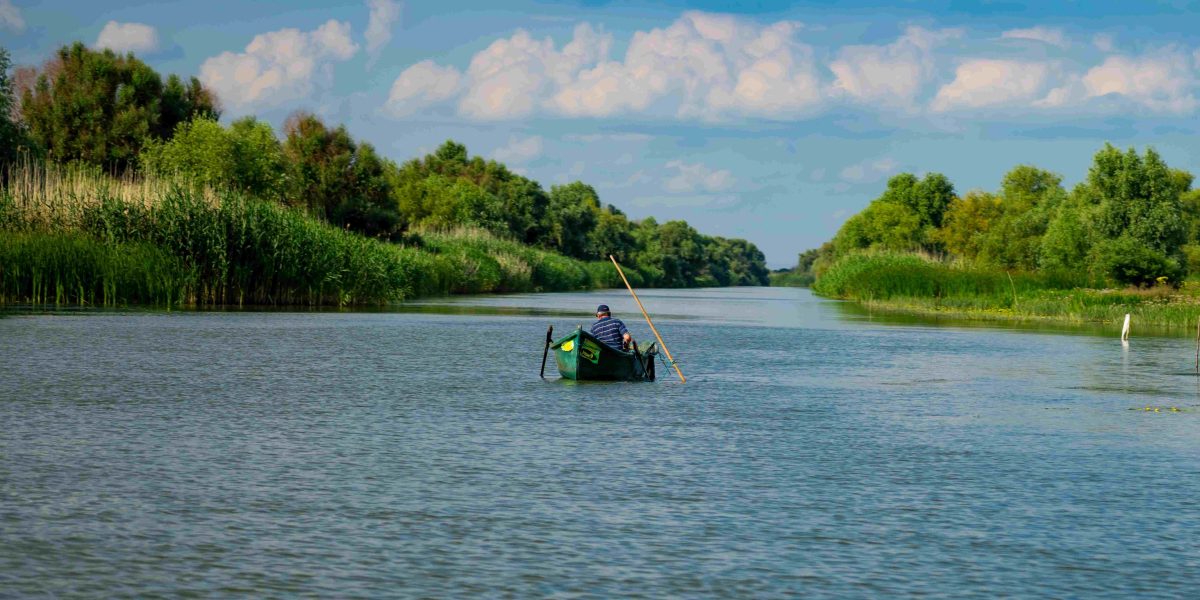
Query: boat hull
x=582 y=357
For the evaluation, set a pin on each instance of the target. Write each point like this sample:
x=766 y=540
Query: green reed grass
x=913 y=284
x=75 y=269
x=230 y=249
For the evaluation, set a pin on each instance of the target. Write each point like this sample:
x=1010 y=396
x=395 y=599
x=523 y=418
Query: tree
x=12 y=134
x=1139 y=197
x=522 y=201
x=613 y=235
x=1028 y=198
x=968 y=221
x=101 y=108
x=338 y=180
x=882 y=225
x=245 y=157
x=683 y=254
x=1069 y=235
x=571 y=216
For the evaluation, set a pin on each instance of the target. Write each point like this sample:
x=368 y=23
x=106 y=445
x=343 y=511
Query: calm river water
x=416 y=453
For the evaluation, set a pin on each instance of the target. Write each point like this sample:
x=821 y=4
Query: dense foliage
x=101 y=108
x=1132 y=221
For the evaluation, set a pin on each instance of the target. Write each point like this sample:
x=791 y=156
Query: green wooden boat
x=582 y=357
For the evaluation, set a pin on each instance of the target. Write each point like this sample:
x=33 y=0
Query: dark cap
x=603 y=308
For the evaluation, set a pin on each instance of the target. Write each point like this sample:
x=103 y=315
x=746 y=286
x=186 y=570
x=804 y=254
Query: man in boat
x=609 y=330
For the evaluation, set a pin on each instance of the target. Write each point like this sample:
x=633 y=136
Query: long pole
x=648 y=321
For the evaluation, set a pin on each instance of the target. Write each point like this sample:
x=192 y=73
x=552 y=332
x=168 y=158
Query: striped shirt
x=610 y=331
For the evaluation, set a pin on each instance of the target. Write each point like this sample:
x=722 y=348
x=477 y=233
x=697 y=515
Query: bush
x=1130 y=262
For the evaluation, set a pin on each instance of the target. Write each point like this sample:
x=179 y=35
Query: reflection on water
x=415 y=452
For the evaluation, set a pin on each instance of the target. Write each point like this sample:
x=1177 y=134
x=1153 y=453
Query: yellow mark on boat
x=568 y=345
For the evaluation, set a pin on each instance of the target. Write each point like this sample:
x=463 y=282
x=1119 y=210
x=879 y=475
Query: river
x=814 y=450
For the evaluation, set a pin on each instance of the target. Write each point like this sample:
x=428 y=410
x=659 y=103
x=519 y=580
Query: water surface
x=415 y=452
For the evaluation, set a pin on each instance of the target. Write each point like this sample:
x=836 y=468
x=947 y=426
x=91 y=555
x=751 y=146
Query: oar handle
x=546 y=351
x=661 y=344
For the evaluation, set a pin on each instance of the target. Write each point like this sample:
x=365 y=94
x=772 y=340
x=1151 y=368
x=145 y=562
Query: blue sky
x=773 y=121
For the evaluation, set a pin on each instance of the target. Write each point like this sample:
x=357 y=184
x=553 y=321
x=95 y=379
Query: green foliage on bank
x=1132 y=221
x=887 y=275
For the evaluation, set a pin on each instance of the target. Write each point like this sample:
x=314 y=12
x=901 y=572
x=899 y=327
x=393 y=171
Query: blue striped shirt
x=610 y=331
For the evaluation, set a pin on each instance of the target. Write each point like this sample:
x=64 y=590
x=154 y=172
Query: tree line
x=113 y=112
x=1133 y=220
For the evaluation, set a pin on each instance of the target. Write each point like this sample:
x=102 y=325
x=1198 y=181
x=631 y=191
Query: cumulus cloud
x=519 y=150
x=279 y=66
x=692 y=177
x=1163 y=82
x=869 y=171
x=890 y=75
x=1104 y=42
x=989 y=82
x=10 y=17
x=510 y=77
x=384 y=14
x=128 y=37
x=1046 y=35
x=421 y=85
x=701 y=66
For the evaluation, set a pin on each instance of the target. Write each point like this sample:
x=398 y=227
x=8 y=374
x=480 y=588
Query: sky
x=772 y=121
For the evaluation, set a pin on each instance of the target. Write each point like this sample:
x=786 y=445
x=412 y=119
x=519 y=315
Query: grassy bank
x=918 y=285
x=71 y=236
x=791 y=279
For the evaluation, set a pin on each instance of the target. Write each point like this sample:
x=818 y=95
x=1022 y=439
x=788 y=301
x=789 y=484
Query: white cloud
x=384 y=14
x=509 y=78
x=1104 y=42
x=989 y=82
x=697 y=177
x=127 y=37
x=10 y=17
x=1163 y=82
x=702 y=65
x=421 y=85
x=519 y=150
x=279 y=66
x=890 y=75
x=1046 y=35
x=869 y=171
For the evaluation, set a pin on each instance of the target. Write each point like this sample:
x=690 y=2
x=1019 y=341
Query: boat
x=582 y=357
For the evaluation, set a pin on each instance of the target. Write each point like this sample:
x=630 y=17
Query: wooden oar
x=648 y=321
x=546 y=350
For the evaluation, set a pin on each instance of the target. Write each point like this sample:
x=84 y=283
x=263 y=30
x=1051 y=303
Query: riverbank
x=921 y=286
x=72 y=237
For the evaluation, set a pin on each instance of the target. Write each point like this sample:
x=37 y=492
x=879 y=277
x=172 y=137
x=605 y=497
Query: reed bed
x=919 y=285
x=218 y=247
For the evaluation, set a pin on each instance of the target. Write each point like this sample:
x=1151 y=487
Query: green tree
x=882 y=225
x=1069 y=235
x=1138 y=196
x=1028 y=197
x=338 y=180
x=968 y=221
x=571 y=217
x=246 y=156
x=522 y=201
x=101 y=108
x=613 y=235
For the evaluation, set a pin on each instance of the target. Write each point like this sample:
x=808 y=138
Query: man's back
x=611 y=331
